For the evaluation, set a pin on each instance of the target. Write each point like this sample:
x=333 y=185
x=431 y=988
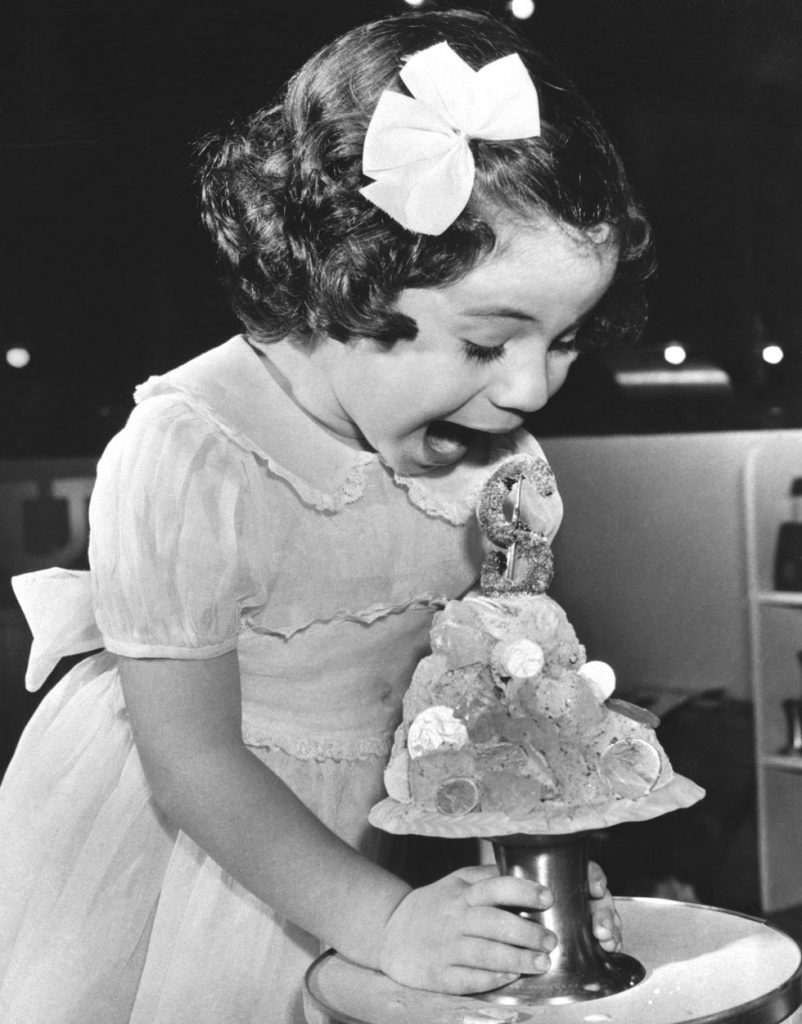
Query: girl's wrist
x=365 y=933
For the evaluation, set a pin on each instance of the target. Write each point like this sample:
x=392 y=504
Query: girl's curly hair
x=307 y=254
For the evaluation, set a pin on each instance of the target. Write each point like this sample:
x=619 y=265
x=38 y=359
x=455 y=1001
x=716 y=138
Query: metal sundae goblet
x=580 y=968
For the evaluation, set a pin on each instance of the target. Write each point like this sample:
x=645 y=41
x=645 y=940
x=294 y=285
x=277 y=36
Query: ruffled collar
x=230 y=386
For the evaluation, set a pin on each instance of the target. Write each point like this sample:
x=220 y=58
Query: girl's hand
x=606 y=922
x=454 y=935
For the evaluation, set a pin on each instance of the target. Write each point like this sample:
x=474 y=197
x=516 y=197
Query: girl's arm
x=451 y=936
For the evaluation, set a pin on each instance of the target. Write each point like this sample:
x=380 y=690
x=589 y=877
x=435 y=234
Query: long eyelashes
x=482 y=353
x=490 y=353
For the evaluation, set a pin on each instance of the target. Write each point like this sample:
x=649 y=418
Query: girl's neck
x=300 y=372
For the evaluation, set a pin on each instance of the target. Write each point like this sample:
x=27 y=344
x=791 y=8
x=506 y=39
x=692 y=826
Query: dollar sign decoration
x=524 y=564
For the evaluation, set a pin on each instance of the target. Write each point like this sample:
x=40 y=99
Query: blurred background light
x=674 y=354
x=413 y=3
x=772 y=354
x=522 y=8
x=18 y=357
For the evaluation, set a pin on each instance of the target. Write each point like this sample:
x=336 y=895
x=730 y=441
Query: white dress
x=223 y=518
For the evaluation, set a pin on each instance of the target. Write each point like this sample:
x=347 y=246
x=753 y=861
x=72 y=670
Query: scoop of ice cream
x=483 y=722
x=507 y=791
x=434 y=728
x=541 y=733
x=541 y=617
x=425 y=685
x=494 y=615
x=578 y=780
x=457 y=635
x=429 y=772
x=434 y=683
x=600 y=678
x=567 y=702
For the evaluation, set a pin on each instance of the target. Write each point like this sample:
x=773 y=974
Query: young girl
x=420 y=238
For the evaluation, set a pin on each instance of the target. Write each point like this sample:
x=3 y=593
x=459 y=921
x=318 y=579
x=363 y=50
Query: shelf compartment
x=782 y=762
x=787 y=598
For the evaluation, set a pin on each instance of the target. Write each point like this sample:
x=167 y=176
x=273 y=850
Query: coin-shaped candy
x=631 y=767
x=519 y=659
x=456 y=796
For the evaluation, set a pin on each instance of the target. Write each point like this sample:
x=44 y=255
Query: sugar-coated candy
x=634 y=712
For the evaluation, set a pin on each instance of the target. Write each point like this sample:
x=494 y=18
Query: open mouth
x=448 y=441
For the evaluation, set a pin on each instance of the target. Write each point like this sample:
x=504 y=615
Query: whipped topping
x=434 y=728
x=396 y=777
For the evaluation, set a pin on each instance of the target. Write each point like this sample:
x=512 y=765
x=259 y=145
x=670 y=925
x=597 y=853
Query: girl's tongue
x=447 y=442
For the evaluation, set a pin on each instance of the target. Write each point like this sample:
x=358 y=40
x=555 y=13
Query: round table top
x=702 y=965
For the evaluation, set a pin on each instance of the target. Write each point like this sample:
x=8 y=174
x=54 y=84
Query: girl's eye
x=482 y=353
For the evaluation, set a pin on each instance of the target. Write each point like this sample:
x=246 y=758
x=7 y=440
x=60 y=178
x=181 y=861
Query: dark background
x=106 y=275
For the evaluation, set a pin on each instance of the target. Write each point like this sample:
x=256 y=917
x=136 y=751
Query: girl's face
x=491 y=349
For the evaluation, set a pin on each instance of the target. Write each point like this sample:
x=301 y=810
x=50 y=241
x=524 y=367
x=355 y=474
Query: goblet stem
x=580 y=968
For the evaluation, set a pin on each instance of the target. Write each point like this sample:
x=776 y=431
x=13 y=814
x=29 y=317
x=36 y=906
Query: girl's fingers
x=476 y=873
x=503 y=926
x=483 y=954
x=607 y=928
x=597 y=880
x=508 y=890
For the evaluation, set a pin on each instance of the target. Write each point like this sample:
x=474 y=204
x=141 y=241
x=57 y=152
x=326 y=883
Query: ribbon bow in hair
x=416 y=148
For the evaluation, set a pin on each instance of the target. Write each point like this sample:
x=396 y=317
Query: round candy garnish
x=519 y=659
x=434 y=728
x=456 y=796
x=600 y=677
x=631 y=767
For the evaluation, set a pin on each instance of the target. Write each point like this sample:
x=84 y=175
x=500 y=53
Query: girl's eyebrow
x=508 y=312
x=511 y=313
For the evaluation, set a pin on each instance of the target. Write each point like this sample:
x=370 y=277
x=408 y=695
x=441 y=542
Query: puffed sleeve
x=172 y=536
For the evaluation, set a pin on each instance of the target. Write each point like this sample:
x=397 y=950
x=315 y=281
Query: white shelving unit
x=775 y=628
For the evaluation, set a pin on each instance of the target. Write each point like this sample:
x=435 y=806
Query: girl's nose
x=522 y=385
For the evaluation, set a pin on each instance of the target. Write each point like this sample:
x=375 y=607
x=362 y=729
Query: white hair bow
x=416 y=149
